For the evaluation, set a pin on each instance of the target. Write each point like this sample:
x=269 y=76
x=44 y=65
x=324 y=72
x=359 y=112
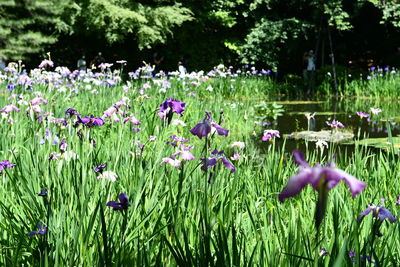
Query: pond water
x=293 y=119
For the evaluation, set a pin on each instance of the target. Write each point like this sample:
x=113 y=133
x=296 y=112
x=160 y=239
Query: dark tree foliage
x=202 y=34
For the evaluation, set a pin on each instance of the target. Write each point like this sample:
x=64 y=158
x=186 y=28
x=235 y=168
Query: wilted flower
x=204 y=127
x=42 y=230
x=216 y=156
x=108 y=175
x=335 y=124
x=269 y=135
x=317 y=176
x=362 y=114
x=379 y=212
x=173 y=162
x=122 y=205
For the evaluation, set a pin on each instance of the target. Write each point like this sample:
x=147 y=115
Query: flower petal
x=356 y=186
x=299 y=158
x=296 y=183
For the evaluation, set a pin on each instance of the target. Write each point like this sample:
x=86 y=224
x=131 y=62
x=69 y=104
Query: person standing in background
x=81 y=64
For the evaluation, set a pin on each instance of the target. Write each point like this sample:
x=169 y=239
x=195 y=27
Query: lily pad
x=324 y=135
x=322 y=113
x=299 y=102
x=382 y=143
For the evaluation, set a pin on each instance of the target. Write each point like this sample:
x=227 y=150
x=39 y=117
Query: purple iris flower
x=89 y=121
x=329 y=176
x=379 y=212
x=9 y=108
x=352 y=255
x=176 y=139
x=362 y=114
x=204 y=127
x=71 y=112
x=38 y=101
x=335 y=124
x=169 y=107
x=42 y=230
x=216 y=156
x=398 y=201
x=11 y=86
x=100 y=168
x=63 y=146
x=5 y=164
x=270 y=135
x=46 y=63
x=42 y=193
x=122 y=205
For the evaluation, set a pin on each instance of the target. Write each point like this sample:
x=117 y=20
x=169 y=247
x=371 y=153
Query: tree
x=28 y=26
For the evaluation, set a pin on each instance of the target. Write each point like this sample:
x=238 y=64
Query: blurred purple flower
x=46 y=63
x=9 y=108
x=132 y=119
x=11 y=86
x=41 y=230
x=38 y=101
x=335 y=124
x=63 y=146
x=269 y=135
x=362 y=114
x=100 y=168
x=42 y=193
x=328 y=176
x=379 y=212
x=122 y=205
x=5 y=164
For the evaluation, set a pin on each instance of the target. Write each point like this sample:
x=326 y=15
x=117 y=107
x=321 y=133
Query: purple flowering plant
x=122 y=205
x=42 y=230
x=169 y=107
x=322 y=179
x=204 y=127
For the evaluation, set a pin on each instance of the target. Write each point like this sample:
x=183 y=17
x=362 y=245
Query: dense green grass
x=176 y=217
